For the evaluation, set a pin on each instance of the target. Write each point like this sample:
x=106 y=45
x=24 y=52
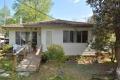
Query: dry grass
x=71 y=71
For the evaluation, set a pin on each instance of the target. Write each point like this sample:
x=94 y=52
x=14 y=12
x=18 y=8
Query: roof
x=51 y=23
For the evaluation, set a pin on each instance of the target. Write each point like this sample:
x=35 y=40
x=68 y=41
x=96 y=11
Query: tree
x=32 y=10
x=4 y=12
x=11 y=20
x=107 y=22
x=91 y=20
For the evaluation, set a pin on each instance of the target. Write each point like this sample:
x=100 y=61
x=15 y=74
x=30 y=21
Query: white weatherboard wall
x=57 y=38
x=11 y=37
x=38 y=38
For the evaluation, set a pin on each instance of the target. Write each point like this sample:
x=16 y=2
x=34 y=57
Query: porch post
x=14 y=62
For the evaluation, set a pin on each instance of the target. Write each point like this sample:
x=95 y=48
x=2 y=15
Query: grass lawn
x=71 y=71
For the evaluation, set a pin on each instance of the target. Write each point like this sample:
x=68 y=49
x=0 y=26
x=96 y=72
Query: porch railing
x=19 y=56
x=22 y=53
x=38 y=53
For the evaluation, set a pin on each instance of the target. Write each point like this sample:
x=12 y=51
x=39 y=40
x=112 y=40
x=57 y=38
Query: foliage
x=29 y=9
x=55 y=52
x=44 y=58
x=106 y=21
x=11 y=21
x=7 y=48
x=91 y=20
x=103 y=43
x=6 y=64
x=2 y=14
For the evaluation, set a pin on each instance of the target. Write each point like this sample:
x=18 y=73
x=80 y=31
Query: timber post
x=14 y=62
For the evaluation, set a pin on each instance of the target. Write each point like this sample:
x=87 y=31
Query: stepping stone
x=1 y=70
x=26 y=74
x=5 y=75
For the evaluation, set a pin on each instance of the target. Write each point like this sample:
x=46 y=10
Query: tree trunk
x=117 y=51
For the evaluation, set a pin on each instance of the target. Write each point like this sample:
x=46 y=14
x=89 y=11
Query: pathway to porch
x=30 y=63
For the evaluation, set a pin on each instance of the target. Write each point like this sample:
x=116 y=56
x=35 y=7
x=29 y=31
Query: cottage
x=73 y=36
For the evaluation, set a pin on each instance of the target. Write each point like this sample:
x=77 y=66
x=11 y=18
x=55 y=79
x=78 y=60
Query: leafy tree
x=107 y=22
x=91 y=20
x=32 y=10
x=11 y=21
x=102 y=41
x=4 y=12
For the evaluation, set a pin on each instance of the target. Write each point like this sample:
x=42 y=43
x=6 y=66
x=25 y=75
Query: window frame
x=67 y=36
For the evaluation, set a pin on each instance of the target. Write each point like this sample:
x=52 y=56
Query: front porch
x=21 y=36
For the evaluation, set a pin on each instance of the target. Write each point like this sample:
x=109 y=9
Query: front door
x=34 y=40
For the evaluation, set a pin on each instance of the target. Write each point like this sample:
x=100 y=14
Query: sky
x=75 y=10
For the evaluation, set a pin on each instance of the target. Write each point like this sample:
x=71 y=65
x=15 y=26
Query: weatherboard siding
x=11 y=37
x=57 y=38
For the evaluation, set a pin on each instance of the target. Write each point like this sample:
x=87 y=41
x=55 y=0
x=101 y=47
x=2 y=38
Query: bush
x=44 y=58
x=7 y=48
x=55 y=52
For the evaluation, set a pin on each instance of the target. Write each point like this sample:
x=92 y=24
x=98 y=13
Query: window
x=34 y=38
x=79 y=36
x=71 y=36
x=75 y=36
x=22 y=37
x=17 y=35
x=68 y=36
x=84 y=36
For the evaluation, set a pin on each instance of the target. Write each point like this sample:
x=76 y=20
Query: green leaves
x=32 y=10
x=4 y=12
x=55 y=52
x=106 y=19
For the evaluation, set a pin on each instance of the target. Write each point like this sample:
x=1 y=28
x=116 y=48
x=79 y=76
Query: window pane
x=74 y=36
x=84 y=36
x=71 y=36
x=27 y=38
x=17 y=36
x=79 y=36
x=66 y=36
x=23 y=35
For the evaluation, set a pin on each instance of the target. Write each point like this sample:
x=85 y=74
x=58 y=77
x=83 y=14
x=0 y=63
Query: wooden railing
x=19 y=56
x=38 y=53
x=22 y=53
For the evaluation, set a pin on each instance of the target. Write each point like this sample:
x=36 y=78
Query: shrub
x=7 y=48
x=44 y=58
x=55 y=52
